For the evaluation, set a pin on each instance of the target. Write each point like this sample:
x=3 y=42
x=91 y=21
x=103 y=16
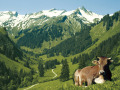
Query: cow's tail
x=73 y=77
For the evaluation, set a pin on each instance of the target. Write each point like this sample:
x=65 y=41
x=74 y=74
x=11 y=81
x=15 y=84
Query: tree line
x=51 y=64
x=108 y=20
x=47 y=65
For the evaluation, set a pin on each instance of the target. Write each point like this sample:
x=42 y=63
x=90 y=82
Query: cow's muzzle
x=101 y=72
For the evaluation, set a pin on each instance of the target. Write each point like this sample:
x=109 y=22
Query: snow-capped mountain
x=13 y=20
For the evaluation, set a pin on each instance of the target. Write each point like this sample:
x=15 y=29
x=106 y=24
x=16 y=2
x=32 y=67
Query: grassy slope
x=68 y=85
x=97 y=32
x=12 y=64
x=105 y=35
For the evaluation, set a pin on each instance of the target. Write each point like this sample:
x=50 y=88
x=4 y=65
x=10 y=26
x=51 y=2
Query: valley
x=34 y=51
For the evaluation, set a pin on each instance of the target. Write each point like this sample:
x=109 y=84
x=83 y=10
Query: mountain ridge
x=15 y=22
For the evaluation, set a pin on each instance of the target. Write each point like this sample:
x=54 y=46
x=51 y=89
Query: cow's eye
x=98 y=62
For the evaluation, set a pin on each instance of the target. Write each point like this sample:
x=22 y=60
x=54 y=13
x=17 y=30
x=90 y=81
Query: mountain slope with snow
x=12 y=20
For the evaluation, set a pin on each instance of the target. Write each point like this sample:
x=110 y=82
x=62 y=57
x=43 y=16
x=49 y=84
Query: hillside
x=61 y=36
x=105 y=40
x=7 y=46
x=68 y=85
x=88 y=39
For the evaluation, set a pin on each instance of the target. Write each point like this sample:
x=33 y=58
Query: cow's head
x=102 y=62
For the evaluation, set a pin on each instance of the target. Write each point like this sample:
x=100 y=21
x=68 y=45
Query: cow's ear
x=95 y=62
x=111 y=61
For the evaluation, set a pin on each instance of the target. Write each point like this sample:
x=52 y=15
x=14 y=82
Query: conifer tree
x=82 y=61
x=41 y=69
x=81 y=64
x=64 y=71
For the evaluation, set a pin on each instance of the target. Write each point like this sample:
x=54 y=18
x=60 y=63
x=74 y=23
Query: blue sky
x=29 y=6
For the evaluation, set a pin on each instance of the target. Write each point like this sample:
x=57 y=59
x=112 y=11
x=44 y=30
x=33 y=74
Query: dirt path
x=38 y=83
x=54 y=73
x=31 y=86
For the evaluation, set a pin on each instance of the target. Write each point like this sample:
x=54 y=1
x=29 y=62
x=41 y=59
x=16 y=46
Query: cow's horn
x=109 y=58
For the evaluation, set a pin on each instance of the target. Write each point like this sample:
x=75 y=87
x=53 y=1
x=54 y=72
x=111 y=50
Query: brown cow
x=99 y=80
x=90 y=73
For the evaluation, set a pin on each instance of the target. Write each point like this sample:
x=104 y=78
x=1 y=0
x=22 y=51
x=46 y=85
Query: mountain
x=64 y=35
x=90 y=38
x=15 y=22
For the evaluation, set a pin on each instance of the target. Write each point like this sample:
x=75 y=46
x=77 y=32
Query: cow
x=94 y=73
x=98 y=80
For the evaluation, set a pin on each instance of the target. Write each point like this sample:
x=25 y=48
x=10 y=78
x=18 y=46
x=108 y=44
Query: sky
x=102 y=7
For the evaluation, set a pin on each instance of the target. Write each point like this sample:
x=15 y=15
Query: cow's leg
x=76 y=83
x=89 y=82
x=80 y=81
x=76 y=80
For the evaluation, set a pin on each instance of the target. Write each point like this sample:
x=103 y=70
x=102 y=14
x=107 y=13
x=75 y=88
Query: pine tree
x=64 y=71
x=81 y=64
x=27 y=64
x=41 y=69
x=82 y=60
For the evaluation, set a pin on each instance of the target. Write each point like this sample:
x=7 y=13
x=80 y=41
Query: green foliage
x=36 y=37
x=27 y=64
x=41 y=69
x=116 y=16
x=7 y=47
x=11 y=80
x=108 y=21
x=64 y=71
x=104 y=49
x=76 y=44
x=51 y=64
x=108 y=46
x=13 y=64
x=82 y=59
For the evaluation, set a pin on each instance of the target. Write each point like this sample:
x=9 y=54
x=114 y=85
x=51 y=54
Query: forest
x=76 y=44
x=11 y=80
x=64 y=58
x=106 y=48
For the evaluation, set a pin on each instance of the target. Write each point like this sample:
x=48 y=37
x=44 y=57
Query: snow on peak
x=90 y=16
x=13 y=19
x=52 y=12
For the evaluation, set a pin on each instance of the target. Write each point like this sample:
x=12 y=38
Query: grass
x=12 y=64
x=105 y=35
x=114 y=30
x=97 y=32
x=47 y=79
x=68 y=85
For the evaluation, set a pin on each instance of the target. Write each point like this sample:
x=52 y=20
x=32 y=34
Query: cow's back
x=89 y=72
